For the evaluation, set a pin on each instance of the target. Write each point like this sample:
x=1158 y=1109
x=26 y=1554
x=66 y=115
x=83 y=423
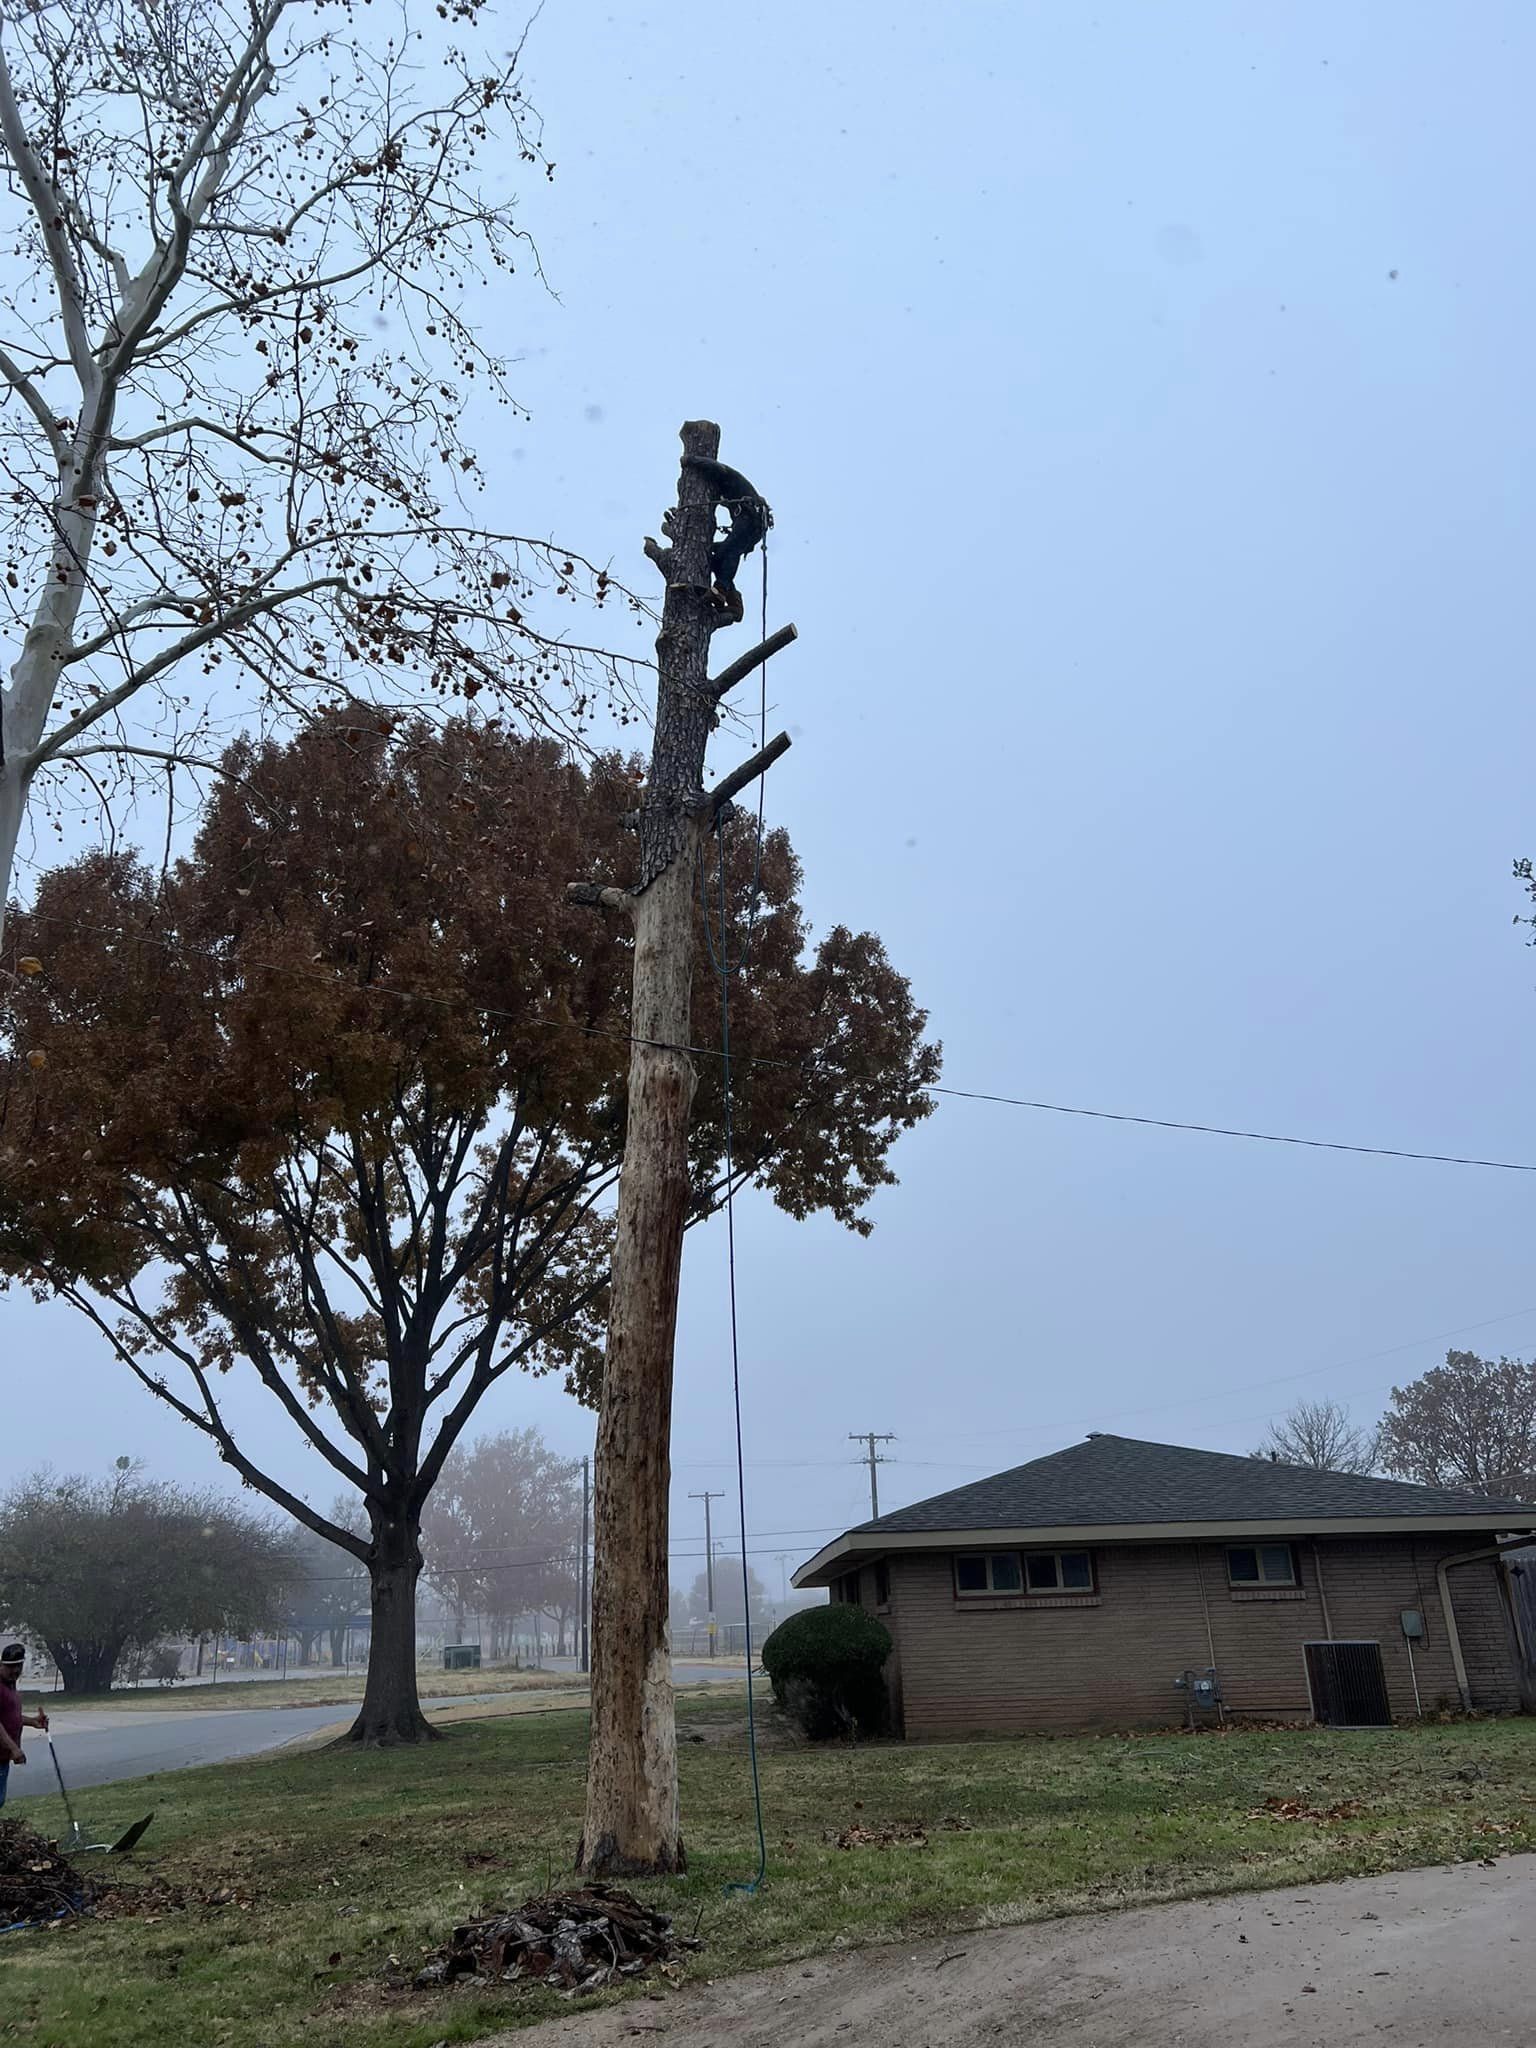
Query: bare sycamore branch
x=237 y=367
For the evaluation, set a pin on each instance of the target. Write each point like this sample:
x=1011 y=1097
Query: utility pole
x=783 y=1558
x=873 y=1458
x=631 y=1824
x=709 y=1562
x=584 y=1658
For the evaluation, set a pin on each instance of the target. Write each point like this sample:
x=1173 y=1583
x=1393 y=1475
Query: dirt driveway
x=1420 y=1959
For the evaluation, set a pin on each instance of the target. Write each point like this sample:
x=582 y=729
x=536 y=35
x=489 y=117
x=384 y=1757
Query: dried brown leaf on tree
x=315 y=1115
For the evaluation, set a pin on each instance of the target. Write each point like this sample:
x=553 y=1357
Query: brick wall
x=1110 y=1660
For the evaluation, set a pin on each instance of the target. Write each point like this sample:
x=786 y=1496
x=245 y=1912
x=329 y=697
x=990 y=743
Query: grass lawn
x=326 y=1689
x=337 y=1862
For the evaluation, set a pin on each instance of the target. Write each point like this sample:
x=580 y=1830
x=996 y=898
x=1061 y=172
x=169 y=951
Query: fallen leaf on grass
x=1296 y=1809
x=906 y=1834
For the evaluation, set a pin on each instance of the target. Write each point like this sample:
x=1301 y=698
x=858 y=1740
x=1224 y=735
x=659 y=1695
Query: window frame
x=1262 y=1582
x=1061 y=1590
x=1024 y=1591
x=989 y=1591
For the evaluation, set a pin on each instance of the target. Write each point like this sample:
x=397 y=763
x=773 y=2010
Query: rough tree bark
x=86 y=1669
x=391 y=1709
x=631 y=1826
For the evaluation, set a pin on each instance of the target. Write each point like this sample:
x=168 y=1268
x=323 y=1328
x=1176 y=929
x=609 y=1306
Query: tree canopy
x=502 y=1531
x=730 y=1608
x=1470 y=1422
x=339 y=1099
x=100 y=1568
x=1321 y=1434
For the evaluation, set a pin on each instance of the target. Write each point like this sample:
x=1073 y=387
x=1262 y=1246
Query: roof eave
x=854 y=1545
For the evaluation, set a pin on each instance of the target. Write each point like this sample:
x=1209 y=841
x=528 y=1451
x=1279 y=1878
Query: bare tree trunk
x=391 y=1709
x=631 y=1826
x=632 y=1813
x=13 y=803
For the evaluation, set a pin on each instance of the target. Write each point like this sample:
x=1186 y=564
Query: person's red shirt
x=10 y=1711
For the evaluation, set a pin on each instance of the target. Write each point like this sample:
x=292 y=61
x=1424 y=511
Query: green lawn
x=336 y=1862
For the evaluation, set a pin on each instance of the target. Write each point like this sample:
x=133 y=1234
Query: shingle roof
x=1117 y=1479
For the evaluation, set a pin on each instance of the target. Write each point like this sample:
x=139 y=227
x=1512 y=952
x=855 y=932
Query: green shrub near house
x=826 y=1666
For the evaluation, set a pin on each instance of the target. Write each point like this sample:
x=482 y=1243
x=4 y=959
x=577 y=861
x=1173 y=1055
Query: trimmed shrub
x=825 y=1666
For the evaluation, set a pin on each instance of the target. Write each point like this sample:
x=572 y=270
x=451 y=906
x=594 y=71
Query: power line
x=677 y=1554
x=1115 y=1116
x=873 y=1458
x=1236 y=1387
x=1163 y=1123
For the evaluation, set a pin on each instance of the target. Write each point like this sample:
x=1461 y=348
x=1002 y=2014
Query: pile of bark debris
x=572 y=1941
x=37 y=1884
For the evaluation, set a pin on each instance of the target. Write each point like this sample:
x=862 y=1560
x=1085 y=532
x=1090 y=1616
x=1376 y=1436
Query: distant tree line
x=111 y=1575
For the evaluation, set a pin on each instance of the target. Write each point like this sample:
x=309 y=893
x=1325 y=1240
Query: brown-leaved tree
x=244 y=240
x=502 y=1532
x=339 y=1101
x=1470 y=1422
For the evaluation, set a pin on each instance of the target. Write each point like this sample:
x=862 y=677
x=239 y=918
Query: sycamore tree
x=243 y=239
x=338 y=1102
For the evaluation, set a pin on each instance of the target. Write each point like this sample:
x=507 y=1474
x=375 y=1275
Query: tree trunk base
x=388 y=1731
x=607 y=1860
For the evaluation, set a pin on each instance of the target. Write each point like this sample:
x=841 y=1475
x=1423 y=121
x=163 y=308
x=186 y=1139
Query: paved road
x=97 y=1746
x=1422 y=1959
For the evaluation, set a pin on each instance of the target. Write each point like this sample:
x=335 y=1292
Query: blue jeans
x=5 y=1778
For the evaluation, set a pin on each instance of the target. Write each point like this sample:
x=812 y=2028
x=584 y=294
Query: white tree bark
x=219 y=468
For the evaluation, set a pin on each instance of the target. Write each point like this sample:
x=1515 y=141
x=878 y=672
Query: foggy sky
x=1143 y=397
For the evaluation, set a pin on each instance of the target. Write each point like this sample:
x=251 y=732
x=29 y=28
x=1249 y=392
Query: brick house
x=1105 y=1585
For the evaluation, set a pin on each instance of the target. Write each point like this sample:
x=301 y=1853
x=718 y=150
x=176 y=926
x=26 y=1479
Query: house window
x=1059 y=1571
x=989 y=1572
x=1263 y=1564
x=845 y=1591
x=1036 y=1571
x=882 y=1584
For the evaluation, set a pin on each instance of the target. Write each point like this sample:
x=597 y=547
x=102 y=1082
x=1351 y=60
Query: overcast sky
x=1143 y=395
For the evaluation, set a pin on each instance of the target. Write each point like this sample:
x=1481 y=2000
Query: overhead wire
x=332 y=977
x=1236 y=1387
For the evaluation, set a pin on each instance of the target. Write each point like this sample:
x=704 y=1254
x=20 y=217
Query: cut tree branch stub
x=737 y=780
x=744 y=664
x=597 y=896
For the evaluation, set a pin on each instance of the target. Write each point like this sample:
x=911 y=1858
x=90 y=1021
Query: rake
x=77 y=1842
